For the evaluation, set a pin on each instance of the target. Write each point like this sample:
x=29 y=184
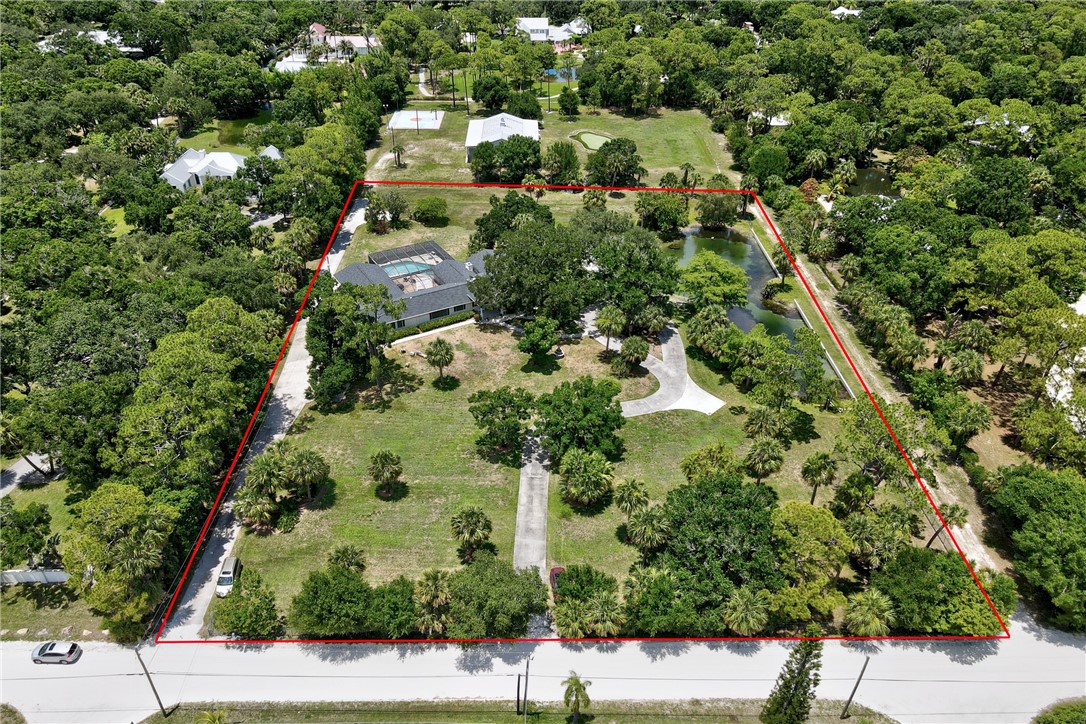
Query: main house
x=195 y=167
x=424 y=276
x=498 y=128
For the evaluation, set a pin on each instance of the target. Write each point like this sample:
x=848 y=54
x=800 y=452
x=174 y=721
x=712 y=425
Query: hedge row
x=432 y=325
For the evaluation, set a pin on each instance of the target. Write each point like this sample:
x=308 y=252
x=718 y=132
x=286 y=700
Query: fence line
x=37 y=575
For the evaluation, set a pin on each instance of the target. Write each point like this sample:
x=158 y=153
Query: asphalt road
x=985 y=682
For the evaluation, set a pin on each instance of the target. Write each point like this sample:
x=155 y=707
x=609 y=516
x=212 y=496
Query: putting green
x=591 y=141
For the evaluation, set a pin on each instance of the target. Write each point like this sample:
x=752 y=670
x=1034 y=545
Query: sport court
x=417 y=120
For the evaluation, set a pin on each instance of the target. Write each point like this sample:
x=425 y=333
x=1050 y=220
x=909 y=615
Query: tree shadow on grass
x=547 y=365
x=399 y=381
x=47 y=595
x=509 y=458
x=622 y=534
x=803 y=427
x=393 y=492
x=446 y=383
x=325 y=497
x=592 y=509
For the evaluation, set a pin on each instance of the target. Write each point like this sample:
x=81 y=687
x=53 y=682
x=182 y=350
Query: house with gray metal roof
x=426 y=277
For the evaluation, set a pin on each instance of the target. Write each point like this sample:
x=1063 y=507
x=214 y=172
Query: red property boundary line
x=799 y=275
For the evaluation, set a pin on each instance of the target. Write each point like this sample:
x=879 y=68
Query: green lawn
x=224 y=135
x=434 y=434
x=665 y=140
x=52 y=495
x=116 y=217
x=504 y=712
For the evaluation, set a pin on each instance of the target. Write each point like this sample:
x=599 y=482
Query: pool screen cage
x=425 y=252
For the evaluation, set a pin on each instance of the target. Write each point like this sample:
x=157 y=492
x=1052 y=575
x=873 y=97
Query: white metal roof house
x=540 y=29
x=195 y=167
x=842 y=12
x=498 y=128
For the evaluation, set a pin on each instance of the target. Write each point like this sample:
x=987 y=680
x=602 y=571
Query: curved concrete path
x=677 y=390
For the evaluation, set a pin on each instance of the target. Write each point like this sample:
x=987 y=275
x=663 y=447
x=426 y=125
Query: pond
x=591 y=141
x=560 y=73
x=873 y=181
x=742 y=250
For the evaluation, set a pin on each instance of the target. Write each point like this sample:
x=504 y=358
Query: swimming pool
x=399 y=268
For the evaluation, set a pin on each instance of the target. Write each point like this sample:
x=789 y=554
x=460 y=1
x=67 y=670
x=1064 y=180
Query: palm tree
x=762 y=422
x=573 y=618
x=138 y=557
x=747 y=611
x=846 y=169
x=869 y=613
x=211 y=717
x=967 y=366
x=634 y=351
x=651 y=319
x=385 y=469
x=576 y=696
x=819 y=469
x=688 y=170
x=432 y=622
x=765 y=457
x=815 y=161
x=472 y=528
x=586 y=477
x=398 y=151
x=307 y=468
x=649 y=527
x=284 y=284
x=747 y=182
x=432 y=590
x=706 y=326
x=253 y=507
x=439 y=353
x=605 y=614
x=261 y=237
x=610 y=322
x=348 y=556
x=976 y=335
x=954 y=515
x=267 y=473
x=630 y=495
x=534 y=185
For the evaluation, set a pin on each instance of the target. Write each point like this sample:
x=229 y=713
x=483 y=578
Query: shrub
x=1067 y=712
x=287 y=521
x=580 y=582
x=432 y=325
x=430 y=210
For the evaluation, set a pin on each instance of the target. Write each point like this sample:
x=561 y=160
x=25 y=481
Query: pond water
x=873 y=181
x=742 y=250
x=591 y=141
x=557 y=73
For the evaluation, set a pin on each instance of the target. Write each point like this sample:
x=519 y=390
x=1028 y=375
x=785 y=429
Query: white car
x=57 y=652
x=227 y=576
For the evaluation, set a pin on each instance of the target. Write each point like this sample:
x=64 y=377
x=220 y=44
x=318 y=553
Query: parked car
x=57 y=652
x=555 y=572
x=231 y=567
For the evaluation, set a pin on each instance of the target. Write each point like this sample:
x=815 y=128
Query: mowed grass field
x=665 y=140
x=224 y=135
x=434 y=434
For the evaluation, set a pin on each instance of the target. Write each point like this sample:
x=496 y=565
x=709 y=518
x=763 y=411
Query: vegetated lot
x=503 y=712
x=655 y=444
x=434 y=434
x=52 y=608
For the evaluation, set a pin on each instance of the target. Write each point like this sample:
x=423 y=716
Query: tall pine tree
x=792 y=696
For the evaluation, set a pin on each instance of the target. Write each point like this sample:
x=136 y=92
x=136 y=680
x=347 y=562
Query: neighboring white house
x=845 y=12
x=498 y=128
x=781 y=121
x=1060 y=383
x=195 y=167
x=102 y=37
x=540 y=29
x=362 y=44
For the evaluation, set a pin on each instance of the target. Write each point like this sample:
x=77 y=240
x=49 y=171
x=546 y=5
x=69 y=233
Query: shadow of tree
x=448 y=383
x=592 y=508
x=547 y=365
x=47 y=595
x=325 y=497
x=392 y=492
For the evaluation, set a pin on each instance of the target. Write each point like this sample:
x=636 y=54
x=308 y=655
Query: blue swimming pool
x=399 y=268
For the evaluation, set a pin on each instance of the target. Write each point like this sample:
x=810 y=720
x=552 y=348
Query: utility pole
x=844 y=712
x=150 y=681
x=527 y=663
x=518 y=694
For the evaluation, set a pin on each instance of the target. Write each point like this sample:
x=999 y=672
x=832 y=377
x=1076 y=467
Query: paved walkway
x=530 y=544
x=21 y=472
x=677 y=390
